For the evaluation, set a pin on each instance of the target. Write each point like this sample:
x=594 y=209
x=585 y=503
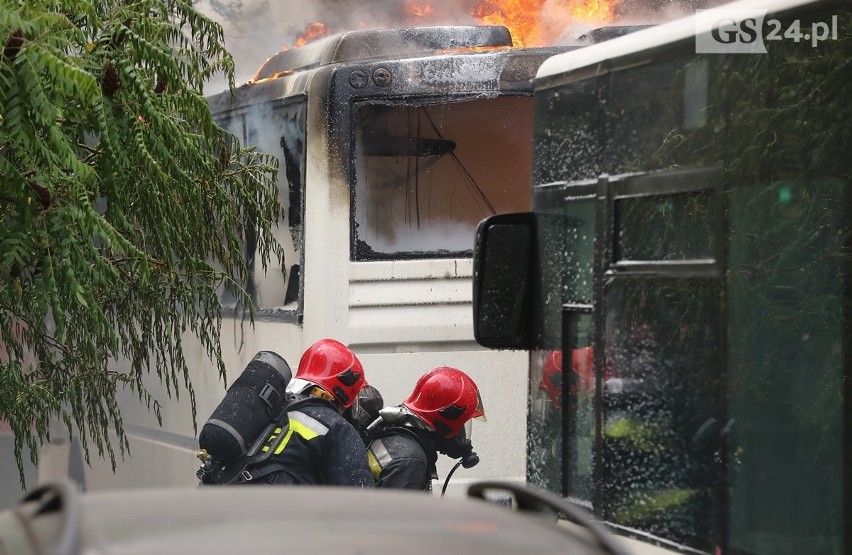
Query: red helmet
x=582 y=363
x=329 y=364
x=551 y=379
x=445 y=398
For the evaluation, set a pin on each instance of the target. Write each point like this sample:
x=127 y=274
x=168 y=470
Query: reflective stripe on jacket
x=319 y=446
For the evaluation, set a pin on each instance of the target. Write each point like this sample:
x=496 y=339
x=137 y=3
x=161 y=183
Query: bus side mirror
x=501 y=281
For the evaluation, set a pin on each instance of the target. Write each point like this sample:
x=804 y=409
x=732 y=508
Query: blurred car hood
x=276 y=519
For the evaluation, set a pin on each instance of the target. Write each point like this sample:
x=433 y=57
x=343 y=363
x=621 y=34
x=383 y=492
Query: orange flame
x=531 y=22
x=520 y=16
x=526 y=19
x=597 y=11
x=419 y=9
x=314 y=31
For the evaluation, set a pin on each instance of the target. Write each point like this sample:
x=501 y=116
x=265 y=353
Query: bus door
x=659 y=311
x=561 y=418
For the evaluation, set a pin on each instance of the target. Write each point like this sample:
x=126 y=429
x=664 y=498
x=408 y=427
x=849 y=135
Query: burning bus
x=393 y=144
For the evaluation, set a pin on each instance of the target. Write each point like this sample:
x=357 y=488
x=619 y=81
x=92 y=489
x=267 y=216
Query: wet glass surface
x=721 y=416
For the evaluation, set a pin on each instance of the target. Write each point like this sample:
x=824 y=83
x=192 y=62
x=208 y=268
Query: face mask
x=459 y=447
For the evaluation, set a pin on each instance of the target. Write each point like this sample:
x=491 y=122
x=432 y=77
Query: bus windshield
x=426 y=174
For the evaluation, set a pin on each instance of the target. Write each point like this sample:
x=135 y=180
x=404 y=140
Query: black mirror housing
x=501 y=281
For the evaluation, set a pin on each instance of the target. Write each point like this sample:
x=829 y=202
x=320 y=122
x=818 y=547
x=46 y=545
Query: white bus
x=393 y=145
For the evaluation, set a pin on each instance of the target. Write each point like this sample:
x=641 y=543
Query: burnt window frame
x=275 y=313
x=358 y=251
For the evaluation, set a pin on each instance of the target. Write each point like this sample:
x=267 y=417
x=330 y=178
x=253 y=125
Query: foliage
x=124 y=209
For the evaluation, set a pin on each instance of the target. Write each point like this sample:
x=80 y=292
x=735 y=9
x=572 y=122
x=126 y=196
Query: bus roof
x=384 y=43
x=610 y=55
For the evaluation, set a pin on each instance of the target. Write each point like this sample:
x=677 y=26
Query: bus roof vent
x=383 y=44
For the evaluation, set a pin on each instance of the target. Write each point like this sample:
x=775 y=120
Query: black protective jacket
x=318 y=447
x=403 y=458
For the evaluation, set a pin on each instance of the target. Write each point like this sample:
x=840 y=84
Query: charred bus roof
x=483 y=59
x=485 y=50
x=355 y=46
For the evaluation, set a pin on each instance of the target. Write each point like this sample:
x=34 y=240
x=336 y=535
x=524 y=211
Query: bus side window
x=290 y=122
x=280 y=131
x=293 y=147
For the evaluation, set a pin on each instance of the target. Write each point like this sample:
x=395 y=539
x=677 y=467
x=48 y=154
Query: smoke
x=438 y=236
x=635 y=12
x=255 y=30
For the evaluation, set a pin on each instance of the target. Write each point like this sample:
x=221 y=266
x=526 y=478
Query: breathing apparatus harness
x=255 y=463
x=456 y=447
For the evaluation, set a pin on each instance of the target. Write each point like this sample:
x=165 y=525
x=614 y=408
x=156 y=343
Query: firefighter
x=319 y=446
x=408 y=437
